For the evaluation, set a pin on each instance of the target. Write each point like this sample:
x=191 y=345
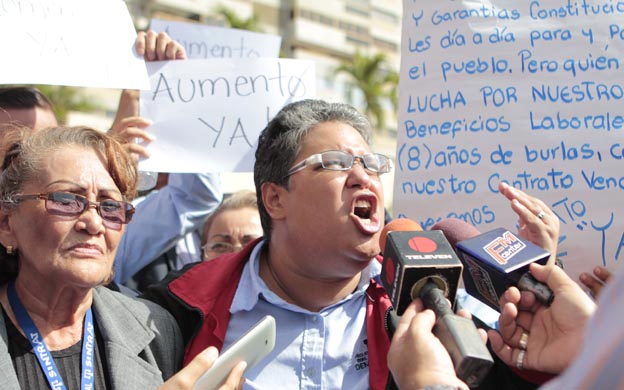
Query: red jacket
x=208 y=289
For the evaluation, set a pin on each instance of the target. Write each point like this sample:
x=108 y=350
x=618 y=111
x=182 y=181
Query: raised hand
x=537 y=223
x=155 y=46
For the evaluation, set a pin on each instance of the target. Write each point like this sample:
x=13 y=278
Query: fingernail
x=211 y=353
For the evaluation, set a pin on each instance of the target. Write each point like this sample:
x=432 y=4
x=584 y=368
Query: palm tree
x=66 y=99
x=370 y=75
x=234 y=21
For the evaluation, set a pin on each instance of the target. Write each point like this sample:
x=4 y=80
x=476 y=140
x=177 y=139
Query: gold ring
x=541 y=214
x=524 y=340
x=520 y=359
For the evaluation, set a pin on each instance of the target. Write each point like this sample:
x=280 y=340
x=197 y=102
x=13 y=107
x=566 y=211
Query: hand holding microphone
x=419 y=264
x=494 y=261
x=556 y=332
x=417 y=358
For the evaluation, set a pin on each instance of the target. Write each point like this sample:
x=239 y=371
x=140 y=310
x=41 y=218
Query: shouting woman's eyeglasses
x=338 y=160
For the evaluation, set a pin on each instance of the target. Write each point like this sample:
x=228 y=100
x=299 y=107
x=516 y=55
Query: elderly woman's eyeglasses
x=114 y=213
x=338 y=160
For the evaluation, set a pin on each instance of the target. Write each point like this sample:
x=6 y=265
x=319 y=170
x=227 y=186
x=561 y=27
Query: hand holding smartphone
x=251 y=347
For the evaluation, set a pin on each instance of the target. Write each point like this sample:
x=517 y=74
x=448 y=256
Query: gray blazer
x=142 y=342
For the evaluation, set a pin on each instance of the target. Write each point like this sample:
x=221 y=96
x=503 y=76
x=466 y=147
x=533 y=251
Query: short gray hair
x=23 y=163
x=280 y=142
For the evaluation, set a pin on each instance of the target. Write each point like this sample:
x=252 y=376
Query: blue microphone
x=494 y=261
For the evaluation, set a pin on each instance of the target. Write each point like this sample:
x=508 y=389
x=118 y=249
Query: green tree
x=66 y=99
x=234 y=21
x=377 y=83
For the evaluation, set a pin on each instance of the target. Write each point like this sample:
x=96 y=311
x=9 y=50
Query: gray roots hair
x=280 y=142
x=27 y=151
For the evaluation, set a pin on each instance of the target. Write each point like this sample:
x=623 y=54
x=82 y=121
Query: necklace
x=276 y=279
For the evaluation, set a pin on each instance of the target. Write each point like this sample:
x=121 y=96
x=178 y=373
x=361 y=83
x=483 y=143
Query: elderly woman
x=64 y=196
x=234 y=224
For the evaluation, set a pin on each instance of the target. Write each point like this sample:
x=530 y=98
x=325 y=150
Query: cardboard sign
x=69 y=42
x=208 y=114
x=202 y=41
x=527 y=93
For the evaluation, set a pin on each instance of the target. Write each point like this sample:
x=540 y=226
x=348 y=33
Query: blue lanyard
x=41 y=350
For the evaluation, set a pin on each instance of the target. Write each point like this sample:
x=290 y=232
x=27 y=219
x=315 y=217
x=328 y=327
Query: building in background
x=328 y=32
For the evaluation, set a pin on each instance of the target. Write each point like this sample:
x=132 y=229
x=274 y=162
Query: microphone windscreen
x=398 y=225
x=456 y=230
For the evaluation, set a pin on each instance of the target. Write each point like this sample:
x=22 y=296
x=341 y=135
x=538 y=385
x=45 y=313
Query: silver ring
x=541 y=214
x=524 y=340
x=520 y=359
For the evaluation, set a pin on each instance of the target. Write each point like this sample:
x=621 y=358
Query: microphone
x=413 y=257
x=422 y=264
x=494 y=261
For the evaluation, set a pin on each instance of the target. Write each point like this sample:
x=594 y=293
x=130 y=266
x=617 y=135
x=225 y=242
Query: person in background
x=234 y=224
x=64 y=204
x=169 y=218
x=25 y=107
x=164 y=234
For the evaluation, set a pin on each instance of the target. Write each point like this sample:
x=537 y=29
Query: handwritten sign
x=202 y=41
x=208 y=114
x=524 y=92
x=69 y=42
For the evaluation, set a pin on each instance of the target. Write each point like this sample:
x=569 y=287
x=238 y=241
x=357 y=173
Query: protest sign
x=524 y=92
x=202 y=41
x=69 y=42
x=208 y=114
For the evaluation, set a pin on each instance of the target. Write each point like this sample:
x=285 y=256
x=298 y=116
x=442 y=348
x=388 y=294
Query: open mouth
x=365 y=214
x=363 y=208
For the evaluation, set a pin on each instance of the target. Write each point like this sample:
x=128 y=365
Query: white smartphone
x=251 y=347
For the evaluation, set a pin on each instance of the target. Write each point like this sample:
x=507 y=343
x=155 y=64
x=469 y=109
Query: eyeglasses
x=114 y=213
x=338 y=160
x=221 y=247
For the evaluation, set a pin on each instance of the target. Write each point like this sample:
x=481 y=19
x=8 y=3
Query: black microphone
x=494 y=261
x=422 y=264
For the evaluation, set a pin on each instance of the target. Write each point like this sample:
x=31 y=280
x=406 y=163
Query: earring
x=10 y=250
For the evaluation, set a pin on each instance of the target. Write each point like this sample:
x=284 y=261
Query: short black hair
x=18 y=97
x=280 y=142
